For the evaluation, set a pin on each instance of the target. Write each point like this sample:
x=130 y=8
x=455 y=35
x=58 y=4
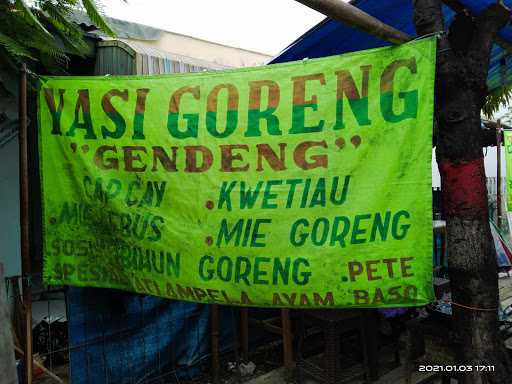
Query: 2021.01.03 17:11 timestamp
x=456 y=368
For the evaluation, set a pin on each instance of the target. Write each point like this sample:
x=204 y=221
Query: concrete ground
x=396 y=376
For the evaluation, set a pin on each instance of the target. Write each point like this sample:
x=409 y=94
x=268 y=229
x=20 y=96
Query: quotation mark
x=84 y=148
x=355 y=140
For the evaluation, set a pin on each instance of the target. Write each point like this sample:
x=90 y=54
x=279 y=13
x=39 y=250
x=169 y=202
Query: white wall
x=208 y=51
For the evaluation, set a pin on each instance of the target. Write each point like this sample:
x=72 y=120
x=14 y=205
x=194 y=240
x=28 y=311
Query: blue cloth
x=501 y=255
x=332 y=38
x=119 y=337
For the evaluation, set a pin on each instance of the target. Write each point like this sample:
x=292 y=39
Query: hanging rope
x=469 y=307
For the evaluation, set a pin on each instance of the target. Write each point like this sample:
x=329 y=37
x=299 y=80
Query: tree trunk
x=462 y=66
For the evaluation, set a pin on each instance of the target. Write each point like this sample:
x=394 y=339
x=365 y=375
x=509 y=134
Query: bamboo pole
x=360 y=20
x=24 y=218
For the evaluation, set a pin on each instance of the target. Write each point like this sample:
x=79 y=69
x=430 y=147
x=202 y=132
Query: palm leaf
x=24 y=31
x=8 y=59
x=44 y=46
x=53 y=64
x=15 y=49
x=56 y=53
x=96 y=17
x=72 y=44
x=60 y=14
x=31 y=19
x=501 y=97
x=56 y=12
x=70 y=34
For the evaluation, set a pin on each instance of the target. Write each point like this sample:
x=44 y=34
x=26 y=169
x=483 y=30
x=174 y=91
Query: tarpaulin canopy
x=332 y=38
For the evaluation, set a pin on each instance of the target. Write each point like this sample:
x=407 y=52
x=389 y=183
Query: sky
x=266 y=26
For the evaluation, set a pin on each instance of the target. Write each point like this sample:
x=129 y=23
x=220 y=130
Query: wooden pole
x=354 y=17
x=25 y=222
x=498 y=173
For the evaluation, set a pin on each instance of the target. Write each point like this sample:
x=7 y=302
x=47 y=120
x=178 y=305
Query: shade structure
x=330 y=37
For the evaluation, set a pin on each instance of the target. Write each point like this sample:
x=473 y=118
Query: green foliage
x=43 y=31
x=30 y=18
x=15 y=49
x=499 y=98
x=95 y=16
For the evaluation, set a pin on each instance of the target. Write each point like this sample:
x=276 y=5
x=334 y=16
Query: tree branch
x=488 y=24
x=428 y=16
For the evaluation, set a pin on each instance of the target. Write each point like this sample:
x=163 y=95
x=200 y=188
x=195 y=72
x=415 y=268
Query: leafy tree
x=42 y=31
x=494 y=101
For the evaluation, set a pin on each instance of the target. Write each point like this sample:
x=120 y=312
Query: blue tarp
x=332 y=38
x=117 y=337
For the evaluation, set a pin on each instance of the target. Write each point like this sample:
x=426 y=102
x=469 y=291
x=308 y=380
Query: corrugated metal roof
x=122 y=28
x=151 y=61
x=134 y=31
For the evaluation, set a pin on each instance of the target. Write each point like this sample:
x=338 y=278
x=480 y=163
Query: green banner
x=507 y=138
x=306 y=184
